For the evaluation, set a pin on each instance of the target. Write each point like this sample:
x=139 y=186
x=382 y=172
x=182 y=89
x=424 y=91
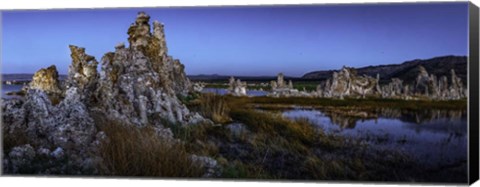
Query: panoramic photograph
x=355 y=92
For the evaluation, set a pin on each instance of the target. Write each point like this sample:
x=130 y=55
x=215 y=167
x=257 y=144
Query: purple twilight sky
x=246 y=40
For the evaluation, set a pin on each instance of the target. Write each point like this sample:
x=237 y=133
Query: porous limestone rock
x=82 y=72
x=154 y=49
x=424 y=83
x=457 y=90
x=140 y=84
x=281 y=88
x=46 y=79
x=393 y=89
x=210 y=165
x=137 y=85
x=426 y=86
x=346 y=82
x=21 y=157
x=237 y=87
x=429 y=86
x=67 y=125
x=198 y=86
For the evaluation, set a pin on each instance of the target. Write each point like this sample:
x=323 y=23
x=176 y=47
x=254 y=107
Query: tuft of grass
x=134 y=151
x=214 y=107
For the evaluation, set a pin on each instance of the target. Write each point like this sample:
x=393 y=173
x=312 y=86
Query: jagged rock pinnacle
x=46 y=79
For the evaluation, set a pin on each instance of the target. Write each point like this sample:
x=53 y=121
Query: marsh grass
x=275 y=147
x=133 y=151
x=279 y=148
x=212 y=106
x=275 y=124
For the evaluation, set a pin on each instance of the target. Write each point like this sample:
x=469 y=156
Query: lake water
x=10 y=88
x=222 y=91
x=437 y=138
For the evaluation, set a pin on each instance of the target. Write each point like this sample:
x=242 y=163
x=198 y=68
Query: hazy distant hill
x=18 y=77
x=23 y=77
x=407 y=71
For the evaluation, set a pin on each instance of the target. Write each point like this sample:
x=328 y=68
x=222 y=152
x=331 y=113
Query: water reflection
x=422 y=115
x=432 y=136
x=6 y=88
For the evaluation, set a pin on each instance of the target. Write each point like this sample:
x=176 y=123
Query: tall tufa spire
x=139 y=32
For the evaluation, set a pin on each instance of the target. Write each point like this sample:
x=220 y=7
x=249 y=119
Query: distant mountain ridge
x=407 y=71
x=23 y=77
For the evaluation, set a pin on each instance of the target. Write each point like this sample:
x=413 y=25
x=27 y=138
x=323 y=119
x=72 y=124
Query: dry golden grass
x=133 y=151
x=214 y=107
x=275 y=124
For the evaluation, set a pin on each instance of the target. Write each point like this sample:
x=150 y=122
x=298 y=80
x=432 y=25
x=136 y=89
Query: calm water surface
x=9 y=88
x=440 y=138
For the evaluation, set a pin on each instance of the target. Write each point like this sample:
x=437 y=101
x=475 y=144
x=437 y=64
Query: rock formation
x=406 y=71
x=141 y=83
x=82 y=73
x=346 y=82
x=46 y=79
x=457 y=90
x=281 y=88
x=429 y=86
x=66 y=128
x=198 y=86
x=154 y=48
x=237 y=87
x=393 y=89
x=424 y=82
x=136 y=85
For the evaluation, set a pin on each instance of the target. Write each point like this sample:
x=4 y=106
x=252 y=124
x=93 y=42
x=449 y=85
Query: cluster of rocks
x=429 y=86
x=237 y=87
x=66 y=127
x=282 y=88
x=137 y=85
x=198 y=86
x=426 y=86
x=346 y=83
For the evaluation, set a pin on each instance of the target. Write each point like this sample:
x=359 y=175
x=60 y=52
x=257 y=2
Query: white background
x=86 y=182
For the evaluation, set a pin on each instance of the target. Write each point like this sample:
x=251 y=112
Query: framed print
x=374 y=92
